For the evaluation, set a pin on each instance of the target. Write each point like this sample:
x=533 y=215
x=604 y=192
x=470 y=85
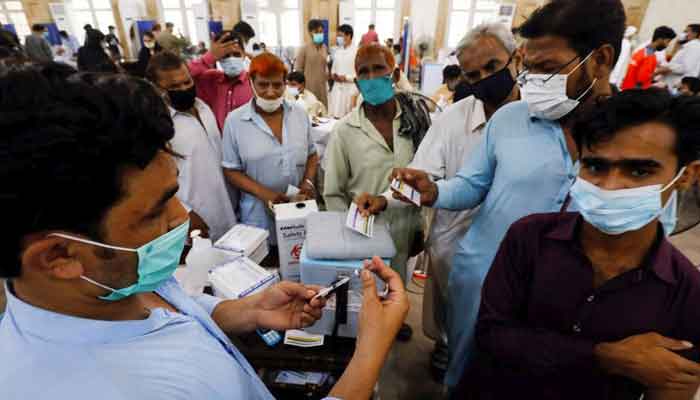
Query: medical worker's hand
x=380 y=318
x=369 y=204
x=418 y=180
x=288 y=305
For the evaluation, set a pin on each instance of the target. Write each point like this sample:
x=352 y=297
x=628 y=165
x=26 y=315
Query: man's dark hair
x=693 y=84
x=256 y=46
x=397 y=48
x=111 y=27
x=244 y=29
x=636 y=107
x=347 y=30
x=314 y=24
x=695 y=28
x=169 y=25
x=297 y=76
x=63 y=34
x=163 y=61
x=371 y=26
x=451 y=72
x=156 y=28
x=663 y=32
x=64 y=148
x=38 y=27
x=586 y=25
x=87 y=27
x=149 y=34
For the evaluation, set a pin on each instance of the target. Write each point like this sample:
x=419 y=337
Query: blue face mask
x=618 y=211
x=232 y=66
x=158 y=260
x=318 y=38
x=376 y=91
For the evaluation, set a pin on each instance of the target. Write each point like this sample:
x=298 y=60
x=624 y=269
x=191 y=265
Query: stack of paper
x=359 y=223
x=239 y=278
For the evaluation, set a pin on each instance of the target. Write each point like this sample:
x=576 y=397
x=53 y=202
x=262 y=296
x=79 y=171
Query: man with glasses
x=489 y=64
x=525 y=163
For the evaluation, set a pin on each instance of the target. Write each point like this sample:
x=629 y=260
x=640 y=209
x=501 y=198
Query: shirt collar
x=223 y=78
x=198 y=104
x=478 y=116
x=358 y=114
x=659 y=258
x=62 y=328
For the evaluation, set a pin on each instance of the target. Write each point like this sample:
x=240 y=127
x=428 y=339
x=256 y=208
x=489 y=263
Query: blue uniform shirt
x=250 y=146
x=168 y=356
x=521 y=167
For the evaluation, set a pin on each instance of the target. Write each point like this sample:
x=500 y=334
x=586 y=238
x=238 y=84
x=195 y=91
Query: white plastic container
x=290 y=221
x=245 y=240
x=199 y=260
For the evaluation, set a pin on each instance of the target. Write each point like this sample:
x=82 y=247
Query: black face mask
x=182 y=100
x=492 y=90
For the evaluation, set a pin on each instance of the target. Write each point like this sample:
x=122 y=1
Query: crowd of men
x=548 y=194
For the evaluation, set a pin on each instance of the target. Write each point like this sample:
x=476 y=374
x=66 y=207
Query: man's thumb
x=369 y=288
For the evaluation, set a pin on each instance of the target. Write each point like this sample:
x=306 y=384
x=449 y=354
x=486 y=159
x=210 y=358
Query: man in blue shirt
x=525 y=164
x=91 y=244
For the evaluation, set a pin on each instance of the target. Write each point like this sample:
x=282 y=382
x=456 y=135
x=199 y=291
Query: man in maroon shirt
x=598 y=304
x=226 y=89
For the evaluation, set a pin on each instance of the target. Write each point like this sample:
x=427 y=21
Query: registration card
x=406 y=191
x=359 y=223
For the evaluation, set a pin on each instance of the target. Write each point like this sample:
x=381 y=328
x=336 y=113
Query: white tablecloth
x=321 y=134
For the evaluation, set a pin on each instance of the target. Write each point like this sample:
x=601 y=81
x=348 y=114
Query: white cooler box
x=290 y=221
x=246 y=240
x=323 y=273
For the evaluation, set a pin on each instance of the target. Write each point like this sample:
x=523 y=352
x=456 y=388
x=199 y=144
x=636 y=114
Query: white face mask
x=267 y=105
x=293 y=91
x=546 y=94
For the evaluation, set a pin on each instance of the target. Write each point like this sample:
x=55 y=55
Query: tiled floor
x=406 y=375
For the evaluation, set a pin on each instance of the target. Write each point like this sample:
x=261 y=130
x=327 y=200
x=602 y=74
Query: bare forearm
x=246 y=183
x=235 y=317
x=663 y=394
x=311 y=168
x=359 y=377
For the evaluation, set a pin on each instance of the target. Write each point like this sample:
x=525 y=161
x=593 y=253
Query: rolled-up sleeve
x=337 y=174
x=468 y=189
x=207 y=302
x=231 y=155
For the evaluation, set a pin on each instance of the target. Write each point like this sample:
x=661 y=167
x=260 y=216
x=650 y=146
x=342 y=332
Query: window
x=381 y=13
x=97 y=13
x=466 y=14
x=181 y=14
x=280 y=23
x=12 y=12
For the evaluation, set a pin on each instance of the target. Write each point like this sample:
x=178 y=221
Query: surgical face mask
x=340 y=40
x=376 y=91
x=183 y=100
x=267 y=105
x=546 y=94
x=232 y=66
x=318 y=38
x=493 y=90
x=158 y=260
x=683 y=38
x=293 y=91
x=149 y=45
x=619 y=211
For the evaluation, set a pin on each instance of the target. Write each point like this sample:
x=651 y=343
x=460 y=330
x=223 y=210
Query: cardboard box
x=245 y=240
x=240 y=278
x=290 y=221
x=324 y=272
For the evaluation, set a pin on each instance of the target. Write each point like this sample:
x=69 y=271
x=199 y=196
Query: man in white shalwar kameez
x=343 y=74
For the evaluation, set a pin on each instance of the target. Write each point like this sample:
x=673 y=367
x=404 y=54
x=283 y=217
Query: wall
x=675 y=13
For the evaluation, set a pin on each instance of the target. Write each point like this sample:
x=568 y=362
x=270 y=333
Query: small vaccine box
x=246 y=240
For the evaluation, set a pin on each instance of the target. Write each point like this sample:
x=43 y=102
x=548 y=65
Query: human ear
x=55 y=257
x=690 y=176
x=604 y=61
